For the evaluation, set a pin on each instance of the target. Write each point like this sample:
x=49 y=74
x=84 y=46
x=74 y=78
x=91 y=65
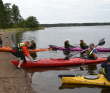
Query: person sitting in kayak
x=92 y=53
x=67 y=45
x=67 y=51
x=1 y=42
x=21 y=50
x=33 y=45
x=83 y=45
x=106 y=68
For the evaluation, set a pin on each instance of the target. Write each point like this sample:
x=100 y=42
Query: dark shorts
x=20 y=55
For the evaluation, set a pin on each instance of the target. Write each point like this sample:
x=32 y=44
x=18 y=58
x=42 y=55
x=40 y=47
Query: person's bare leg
x=20 y=62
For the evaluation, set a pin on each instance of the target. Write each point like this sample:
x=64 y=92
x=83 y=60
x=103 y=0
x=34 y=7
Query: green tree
x=7 y=15
x=31 y=22
x=15 y=14
x=2 y=14
x=22 y=23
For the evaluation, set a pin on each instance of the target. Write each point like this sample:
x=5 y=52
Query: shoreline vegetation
x=74 y=24
x=43 y=26
x=21 y=29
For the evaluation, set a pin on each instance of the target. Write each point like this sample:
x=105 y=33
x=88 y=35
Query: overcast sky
x=64 y=11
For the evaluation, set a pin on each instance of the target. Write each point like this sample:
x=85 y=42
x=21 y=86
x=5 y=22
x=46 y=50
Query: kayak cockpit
x=91 y=77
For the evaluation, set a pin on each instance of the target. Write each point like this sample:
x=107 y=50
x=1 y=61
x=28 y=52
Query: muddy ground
x=12 y=80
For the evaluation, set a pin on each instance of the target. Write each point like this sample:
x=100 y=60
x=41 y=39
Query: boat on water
x=59 y=62
x=99 y=49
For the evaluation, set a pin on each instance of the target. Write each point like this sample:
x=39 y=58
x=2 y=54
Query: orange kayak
x=6 y=49
x=9 y=49
x=39 y=50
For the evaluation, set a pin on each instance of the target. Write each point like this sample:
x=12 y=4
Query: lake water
x=45 y=79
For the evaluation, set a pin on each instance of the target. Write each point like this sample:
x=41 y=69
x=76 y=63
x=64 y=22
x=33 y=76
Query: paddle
x=101 y=42
x=71 y=46
x=60 y=76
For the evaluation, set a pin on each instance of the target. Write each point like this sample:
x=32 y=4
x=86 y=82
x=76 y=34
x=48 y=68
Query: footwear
x=19 y=68
x=66 y=58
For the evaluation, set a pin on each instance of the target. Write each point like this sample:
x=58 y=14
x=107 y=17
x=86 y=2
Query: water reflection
x=91 y=69
x=73 y=86
x=83 y=54
x=17 y=38
x=33 y=55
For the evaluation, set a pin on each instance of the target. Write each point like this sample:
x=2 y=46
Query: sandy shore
x=12 y=80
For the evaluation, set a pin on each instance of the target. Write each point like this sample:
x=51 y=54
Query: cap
x=67 y=40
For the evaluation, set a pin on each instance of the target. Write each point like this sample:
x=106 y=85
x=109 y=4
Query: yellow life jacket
x=20 y=45
x=91 y=55
x=67 y=46
x=84 y=45
x=36 y=45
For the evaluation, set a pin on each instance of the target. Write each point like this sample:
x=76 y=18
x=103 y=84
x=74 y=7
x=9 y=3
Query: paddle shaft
x=88 y=56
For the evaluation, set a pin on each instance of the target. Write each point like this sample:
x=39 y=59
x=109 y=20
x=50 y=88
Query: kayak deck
x=59 y=62
x=81 y=80
x=99 y=49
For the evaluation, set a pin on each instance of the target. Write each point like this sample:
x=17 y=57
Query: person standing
x=21 y=50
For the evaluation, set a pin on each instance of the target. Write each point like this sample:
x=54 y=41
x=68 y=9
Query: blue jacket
x=107 y=69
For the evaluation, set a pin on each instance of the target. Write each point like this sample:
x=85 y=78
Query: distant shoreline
x=74 y=24
x=21 y=29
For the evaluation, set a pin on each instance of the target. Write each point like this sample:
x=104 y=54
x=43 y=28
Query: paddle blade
x=60 y=76
x=102 y=40
x=81 y=68
x=101 y=43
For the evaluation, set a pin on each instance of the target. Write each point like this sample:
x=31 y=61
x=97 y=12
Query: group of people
x=21 y=50
x=92 y=53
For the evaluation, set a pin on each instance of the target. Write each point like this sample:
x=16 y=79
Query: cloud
x=64 y=11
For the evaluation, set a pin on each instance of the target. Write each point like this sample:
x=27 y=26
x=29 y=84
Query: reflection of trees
x=17 y=37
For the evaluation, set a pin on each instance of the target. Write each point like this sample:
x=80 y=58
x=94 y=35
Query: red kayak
x=59 y=62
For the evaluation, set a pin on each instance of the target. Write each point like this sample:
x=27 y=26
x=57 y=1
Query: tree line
x=73 y=24
x=10 y=17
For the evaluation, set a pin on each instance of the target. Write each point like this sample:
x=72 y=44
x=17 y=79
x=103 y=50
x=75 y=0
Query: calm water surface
x=45 y=79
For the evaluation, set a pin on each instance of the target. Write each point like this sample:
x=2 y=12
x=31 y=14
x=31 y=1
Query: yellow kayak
x=91 y=80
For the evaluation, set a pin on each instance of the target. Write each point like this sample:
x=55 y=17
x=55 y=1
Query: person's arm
x=26 y=53
x=95 y=53
x=30 y=58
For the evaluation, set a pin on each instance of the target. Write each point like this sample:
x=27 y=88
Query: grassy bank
x=21 y=29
